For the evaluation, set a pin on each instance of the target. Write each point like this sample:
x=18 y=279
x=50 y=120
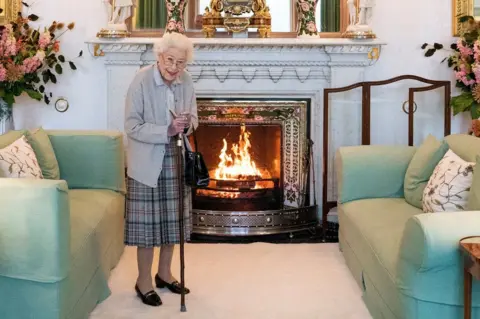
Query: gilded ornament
x=233 y=16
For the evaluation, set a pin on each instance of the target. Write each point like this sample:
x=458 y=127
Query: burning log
x=236 y=184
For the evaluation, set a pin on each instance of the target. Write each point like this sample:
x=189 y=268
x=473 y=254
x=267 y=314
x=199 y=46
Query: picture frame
x=460 y=8
x=10 y=10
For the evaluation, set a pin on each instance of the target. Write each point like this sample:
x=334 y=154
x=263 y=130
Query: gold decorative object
x=113 y=34
x=374 y=54
x=359 y=34
x=236 y=24
x=461 y=8
x=10 y=10
x=97 y=51
x=236 y=16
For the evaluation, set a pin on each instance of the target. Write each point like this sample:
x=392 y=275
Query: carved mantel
x=263 y=68
x=307 y=57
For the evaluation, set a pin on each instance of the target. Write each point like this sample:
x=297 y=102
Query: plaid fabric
x=152 y=217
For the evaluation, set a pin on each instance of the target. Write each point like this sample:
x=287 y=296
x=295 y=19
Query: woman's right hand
x=177 y=126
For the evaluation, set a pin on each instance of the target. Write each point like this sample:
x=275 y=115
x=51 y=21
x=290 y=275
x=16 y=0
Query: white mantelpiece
x=266 y=68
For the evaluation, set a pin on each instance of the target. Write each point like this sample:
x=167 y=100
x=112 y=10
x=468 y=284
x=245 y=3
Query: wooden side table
x=470 y=247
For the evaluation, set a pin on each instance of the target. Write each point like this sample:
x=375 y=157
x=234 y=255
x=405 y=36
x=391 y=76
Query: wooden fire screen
x=366 y=120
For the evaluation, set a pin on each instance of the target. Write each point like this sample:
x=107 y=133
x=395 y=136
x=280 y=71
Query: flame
x=239 y=165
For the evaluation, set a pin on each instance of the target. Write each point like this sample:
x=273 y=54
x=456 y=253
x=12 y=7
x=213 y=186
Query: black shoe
x=174 y=287
x=150 y=298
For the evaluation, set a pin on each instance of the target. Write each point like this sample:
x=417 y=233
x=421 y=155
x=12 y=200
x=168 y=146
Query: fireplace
x=264 y=69
x=258 y=157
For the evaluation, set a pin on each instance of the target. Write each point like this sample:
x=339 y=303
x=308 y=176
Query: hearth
x=258 y=156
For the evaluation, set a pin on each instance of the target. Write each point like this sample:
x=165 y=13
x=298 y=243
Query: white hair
x=174 y=40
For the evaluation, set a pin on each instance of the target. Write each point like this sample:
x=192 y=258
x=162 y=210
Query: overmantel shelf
x=250 y=41
x=101 y=46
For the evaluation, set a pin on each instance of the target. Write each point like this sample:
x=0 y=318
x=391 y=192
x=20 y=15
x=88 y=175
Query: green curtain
x=330 y=16
x=151 y=14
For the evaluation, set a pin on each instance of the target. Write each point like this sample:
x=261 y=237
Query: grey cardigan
x=147 y=118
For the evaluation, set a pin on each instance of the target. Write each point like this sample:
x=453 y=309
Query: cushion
x=90 y=159
x=18 y=160
x=421 y=168
x=449 y=186
x=474 y=198
x=465 y=146
x=43 y=148
x=371 y=171
x=10 y=137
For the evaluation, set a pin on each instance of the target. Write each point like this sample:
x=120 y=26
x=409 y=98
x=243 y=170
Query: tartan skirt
x=152 y=217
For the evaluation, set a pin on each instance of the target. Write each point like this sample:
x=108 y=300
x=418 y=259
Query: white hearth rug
x=245 y=281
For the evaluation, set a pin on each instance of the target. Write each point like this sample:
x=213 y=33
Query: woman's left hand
x=186 y=118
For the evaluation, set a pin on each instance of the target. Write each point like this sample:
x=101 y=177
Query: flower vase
x=6 y=117
x=175 y=15
x=307 y=26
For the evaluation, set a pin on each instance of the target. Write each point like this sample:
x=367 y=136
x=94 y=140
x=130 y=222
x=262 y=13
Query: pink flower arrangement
x=29 y=60
x=465 y=61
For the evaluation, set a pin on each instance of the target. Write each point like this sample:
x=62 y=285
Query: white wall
x=85 y=87
x=405 y=25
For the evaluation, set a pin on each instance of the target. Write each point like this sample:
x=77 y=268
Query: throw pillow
x=421 y=168
x=10 y=137
x=474 y=198
x=465 y=146
x=449 y=186
x=43 y=148
x=18 y=160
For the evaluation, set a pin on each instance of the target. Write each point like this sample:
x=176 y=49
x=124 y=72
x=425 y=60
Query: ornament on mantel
x=175 y=15
x=359 y=27
x=306 y=10
x=117 y=12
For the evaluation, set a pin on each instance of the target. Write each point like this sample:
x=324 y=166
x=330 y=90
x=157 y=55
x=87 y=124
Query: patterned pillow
x=18 y=160
x=448 y=188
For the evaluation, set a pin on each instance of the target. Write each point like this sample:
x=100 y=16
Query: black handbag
x=196 y=171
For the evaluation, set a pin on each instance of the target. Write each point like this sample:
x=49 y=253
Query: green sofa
x=60 y=238
x=407 y=263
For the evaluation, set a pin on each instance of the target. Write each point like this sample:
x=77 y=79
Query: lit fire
x=237 y=170
x=239 y=165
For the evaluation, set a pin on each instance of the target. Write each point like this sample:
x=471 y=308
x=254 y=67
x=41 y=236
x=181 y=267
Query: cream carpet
x=245 y=281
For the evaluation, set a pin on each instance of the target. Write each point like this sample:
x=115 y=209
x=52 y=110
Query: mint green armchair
x=59 y=239
x=33 y=213
x=407 y=263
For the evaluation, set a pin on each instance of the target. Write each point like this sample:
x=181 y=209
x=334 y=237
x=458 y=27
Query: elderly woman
x=160 y=104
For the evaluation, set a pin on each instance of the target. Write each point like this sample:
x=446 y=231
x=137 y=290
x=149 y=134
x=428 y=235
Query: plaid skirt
x=152 y=217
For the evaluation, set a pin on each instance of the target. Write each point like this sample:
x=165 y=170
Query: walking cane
x=180 y=173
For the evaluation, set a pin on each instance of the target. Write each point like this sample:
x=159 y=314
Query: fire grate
x=239 y=195
x=231 y=223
